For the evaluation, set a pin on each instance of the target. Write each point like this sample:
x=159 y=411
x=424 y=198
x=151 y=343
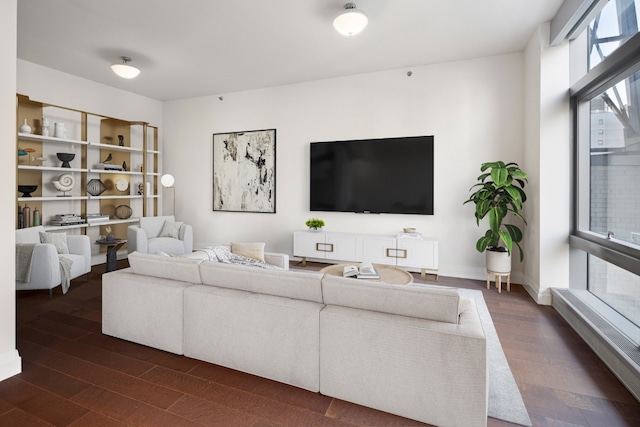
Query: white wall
x=44 y=84
x=10 y=362
x=548 y=162
x=474 y=108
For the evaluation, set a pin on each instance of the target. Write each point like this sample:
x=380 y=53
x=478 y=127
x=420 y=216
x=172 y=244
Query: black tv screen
x=390 y=175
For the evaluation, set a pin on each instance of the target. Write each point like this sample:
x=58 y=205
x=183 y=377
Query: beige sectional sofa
x=415 y=351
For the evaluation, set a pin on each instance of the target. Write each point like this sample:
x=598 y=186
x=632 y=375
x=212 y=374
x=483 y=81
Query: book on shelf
x=364 y=271
x=95 y=219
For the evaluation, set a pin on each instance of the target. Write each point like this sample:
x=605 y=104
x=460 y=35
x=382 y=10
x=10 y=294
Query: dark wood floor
x=73 y=375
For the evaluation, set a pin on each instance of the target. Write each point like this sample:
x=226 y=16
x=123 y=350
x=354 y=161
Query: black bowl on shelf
x=26 y=190
x=65 y=158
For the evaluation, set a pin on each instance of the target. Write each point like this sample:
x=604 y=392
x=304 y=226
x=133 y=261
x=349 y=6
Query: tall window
x=607 y=205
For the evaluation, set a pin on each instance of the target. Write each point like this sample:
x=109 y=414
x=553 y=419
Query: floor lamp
x=168 y=181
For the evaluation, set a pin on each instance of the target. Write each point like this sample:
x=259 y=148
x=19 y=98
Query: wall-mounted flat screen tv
x=389 y=175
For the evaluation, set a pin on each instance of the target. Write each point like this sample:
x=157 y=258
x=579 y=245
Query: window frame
x=616 y=67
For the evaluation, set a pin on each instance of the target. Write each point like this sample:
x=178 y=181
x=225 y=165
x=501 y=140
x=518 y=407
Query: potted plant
x=314 y=224
x=498 y=193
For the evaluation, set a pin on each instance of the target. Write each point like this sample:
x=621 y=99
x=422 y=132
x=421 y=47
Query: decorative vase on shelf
x=121 y=140
x=45 y=126
x=25 y=128
x=59 y=130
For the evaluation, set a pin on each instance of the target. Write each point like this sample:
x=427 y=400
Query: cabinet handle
x=326 y=247
x=395 y=254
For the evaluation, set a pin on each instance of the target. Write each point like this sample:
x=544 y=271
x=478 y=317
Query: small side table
x=499 y=277
x=388 y=273
x=112 y=252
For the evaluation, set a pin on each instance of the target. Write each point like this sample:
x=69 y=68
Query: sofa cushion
x=59 y=240
x=298 y=285
x=440 y=304
x=249 y=250
x=171 y=229
x=175 y=268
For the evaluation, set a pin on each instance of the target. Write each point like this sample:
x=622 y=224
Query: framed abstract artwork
x=244 y=171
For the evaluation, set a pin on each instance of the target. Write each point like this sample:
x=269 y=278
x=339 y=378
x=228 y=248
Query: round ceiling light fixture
x=124 y=69
x=351 y=21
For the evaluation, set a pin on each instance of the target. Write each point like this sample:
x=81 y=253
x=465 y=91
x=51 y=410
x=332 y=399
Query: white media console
x=409 y=253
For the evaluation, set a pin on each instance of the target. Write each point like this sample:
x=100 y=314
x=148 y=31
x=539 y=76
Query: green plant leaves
x=499 y=191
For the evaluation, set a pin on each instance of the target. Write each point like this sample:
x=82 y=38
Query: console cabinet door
x=310 y=244
x=379 y=250
x=340 y=248
x=418 y=253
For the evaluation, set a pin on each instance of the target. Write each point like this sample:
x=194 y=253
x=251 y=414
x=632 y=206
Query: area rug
x=505 y=400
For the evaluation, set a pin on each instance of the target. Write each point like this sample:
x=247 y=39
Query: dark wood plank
x=262 y=387
x=50 y=380
x=40 y=403
x=127 y=410
x=249 y=402
x=93 y=419
x=106 y=378
x=363 y=416
x=19 y=418
x=140 y=352
x=86 y=352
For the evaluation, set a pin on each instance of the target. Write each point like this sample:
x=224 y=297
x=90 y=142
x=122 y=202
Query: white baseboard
x=10 y=364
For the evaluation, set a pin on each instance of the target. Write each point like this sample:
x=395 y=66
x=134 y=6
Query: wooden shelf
x=40 y=138
x=115 y=172
x=51 y=198
x=130 y=196
x=114 y=147
x=51 y=168
x=64 y=227
x=114 y=221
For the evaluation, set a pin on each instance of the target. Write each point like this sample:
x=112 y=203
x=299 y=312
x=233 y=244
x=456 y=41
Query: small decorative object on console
x=314 y=224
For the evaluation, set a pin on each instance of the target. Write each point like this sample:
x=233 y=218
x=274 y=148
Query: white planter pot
x=499 y=262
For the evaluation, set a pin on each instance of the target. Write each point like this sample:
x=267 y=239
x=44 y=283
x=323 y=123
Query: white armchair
x=44 y=270
x=147 y=238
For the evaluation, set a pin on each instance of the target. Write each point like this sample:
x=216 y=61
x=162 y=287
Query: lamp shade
x=167 y=180
x=351 y=21
x=124 y=69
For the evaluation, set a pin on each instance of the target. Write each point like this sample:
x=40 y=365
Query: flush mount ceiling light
x=124 y=69
x=351 y=21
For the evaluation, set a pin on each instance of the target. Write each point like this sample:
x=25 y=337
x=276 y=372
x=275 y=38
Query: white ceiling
x=189 y=48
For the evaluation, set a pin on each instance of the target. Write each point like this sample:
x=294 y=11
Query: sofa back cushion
x=29 y=234
x=439 y=304
x=152 y=225
x=174 y=268
x=283 y=283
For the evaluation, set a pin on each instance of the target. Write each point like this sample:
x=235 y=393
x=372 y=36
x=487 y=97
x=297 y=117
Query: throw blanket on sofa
x=224 y=255
x=65 y=272
x=24 y=252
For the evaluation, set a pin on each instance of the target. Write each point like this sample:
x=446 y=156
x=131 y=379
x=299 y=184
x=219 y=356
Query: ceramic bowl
x=409 y=230
x=26 y=190
x=65 y=158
